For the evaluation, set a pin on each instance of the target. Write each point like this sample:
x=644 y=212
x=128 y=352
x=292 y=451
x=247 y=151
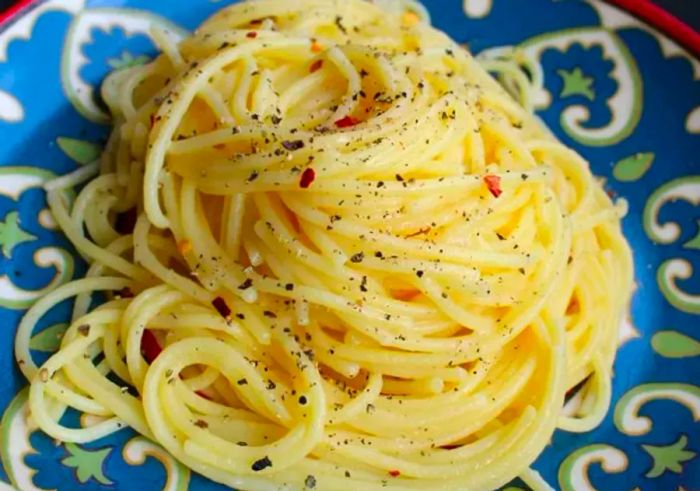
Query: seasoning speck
x=346 y=122
x=222 y=307
x=310 y=482
x=293 y=144
x=261 y=464
x=358 y=257
x=493 y=183
x=307 y=177
x=315 y=66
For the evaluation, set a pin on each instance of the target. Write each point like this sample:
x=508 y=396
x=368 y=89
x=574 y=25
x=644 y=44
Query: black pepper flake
x=370 y=408
x=270 y=314
x=246 y=284
x=310 y=482
x=379 y=254
x=500 y=237
x=347 y=474
x=524 y=177
x=522 y=270
x=302 y=400
x=293 y=144
x=419 y=273
x=363 y=284
x=261 y=464
x=200 y=423
x=358 y=257
x=221 y=307
x=275 y=119
x=271 y=385
x=242 y=382
x=84 y=329
x=289 y=287
x=339 y=23
x=253 y=176
x=399 y=177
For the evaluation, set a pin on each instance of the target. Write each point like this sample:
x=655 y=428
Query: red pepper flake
x=252 y=35
x=394 y=473
x=316 y=65
x=125 y=293
x=150 y=348
x=153 y=120
x=346 y=122
x=184 y=246
x=494 y=184
x=307 y=177
x=222 y=307
x=315 y=47
x=203 y=395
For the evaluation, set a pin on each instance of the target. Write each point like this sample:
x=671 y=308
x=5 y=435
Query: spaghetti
x=335 y=254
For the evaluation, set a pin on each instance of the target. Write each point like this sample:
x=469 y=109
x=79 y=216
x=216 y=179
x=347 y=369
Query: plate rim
x=645 y=11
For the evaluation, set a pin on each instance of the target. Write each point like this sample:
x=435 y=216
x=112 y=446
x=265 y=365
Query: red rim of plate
x=12 y=13
x=645 y=10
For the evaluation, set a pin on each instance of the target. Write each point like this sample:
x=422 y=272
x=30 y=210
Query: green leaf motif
x=576 y=83
x=673 y=344
x=11 y=235
x=48 y=340
x=83 y=152
x=127 y=60
x=694 y=243
x=670 y=457
x=633 y=167
x=88 y=464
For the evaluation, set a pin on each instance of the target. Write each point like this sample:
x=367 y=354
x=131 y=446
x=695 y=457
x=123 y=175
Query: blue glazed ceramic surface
x=621 y=94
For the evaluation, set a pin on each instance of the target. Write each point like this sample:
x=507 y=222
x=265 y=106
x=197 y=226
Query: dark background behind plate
x=686 y=10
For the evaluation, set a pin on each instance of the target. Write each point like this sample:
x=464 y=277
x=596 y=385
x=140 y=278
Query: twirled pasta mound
x=335 y=254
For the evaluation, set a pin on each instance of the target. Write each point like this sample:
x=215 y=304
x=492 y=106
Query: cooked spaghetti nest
x=335 y=253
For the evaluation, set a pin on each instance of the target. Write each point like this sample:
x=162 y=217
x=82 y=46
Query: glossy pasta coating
x=356 y=262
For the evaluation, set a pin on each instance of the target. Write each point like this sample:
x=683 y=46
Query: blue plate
x=622 y=94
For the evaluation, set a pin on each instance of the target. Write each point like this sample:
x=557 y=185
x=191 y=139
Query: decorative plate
x=624 y=95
